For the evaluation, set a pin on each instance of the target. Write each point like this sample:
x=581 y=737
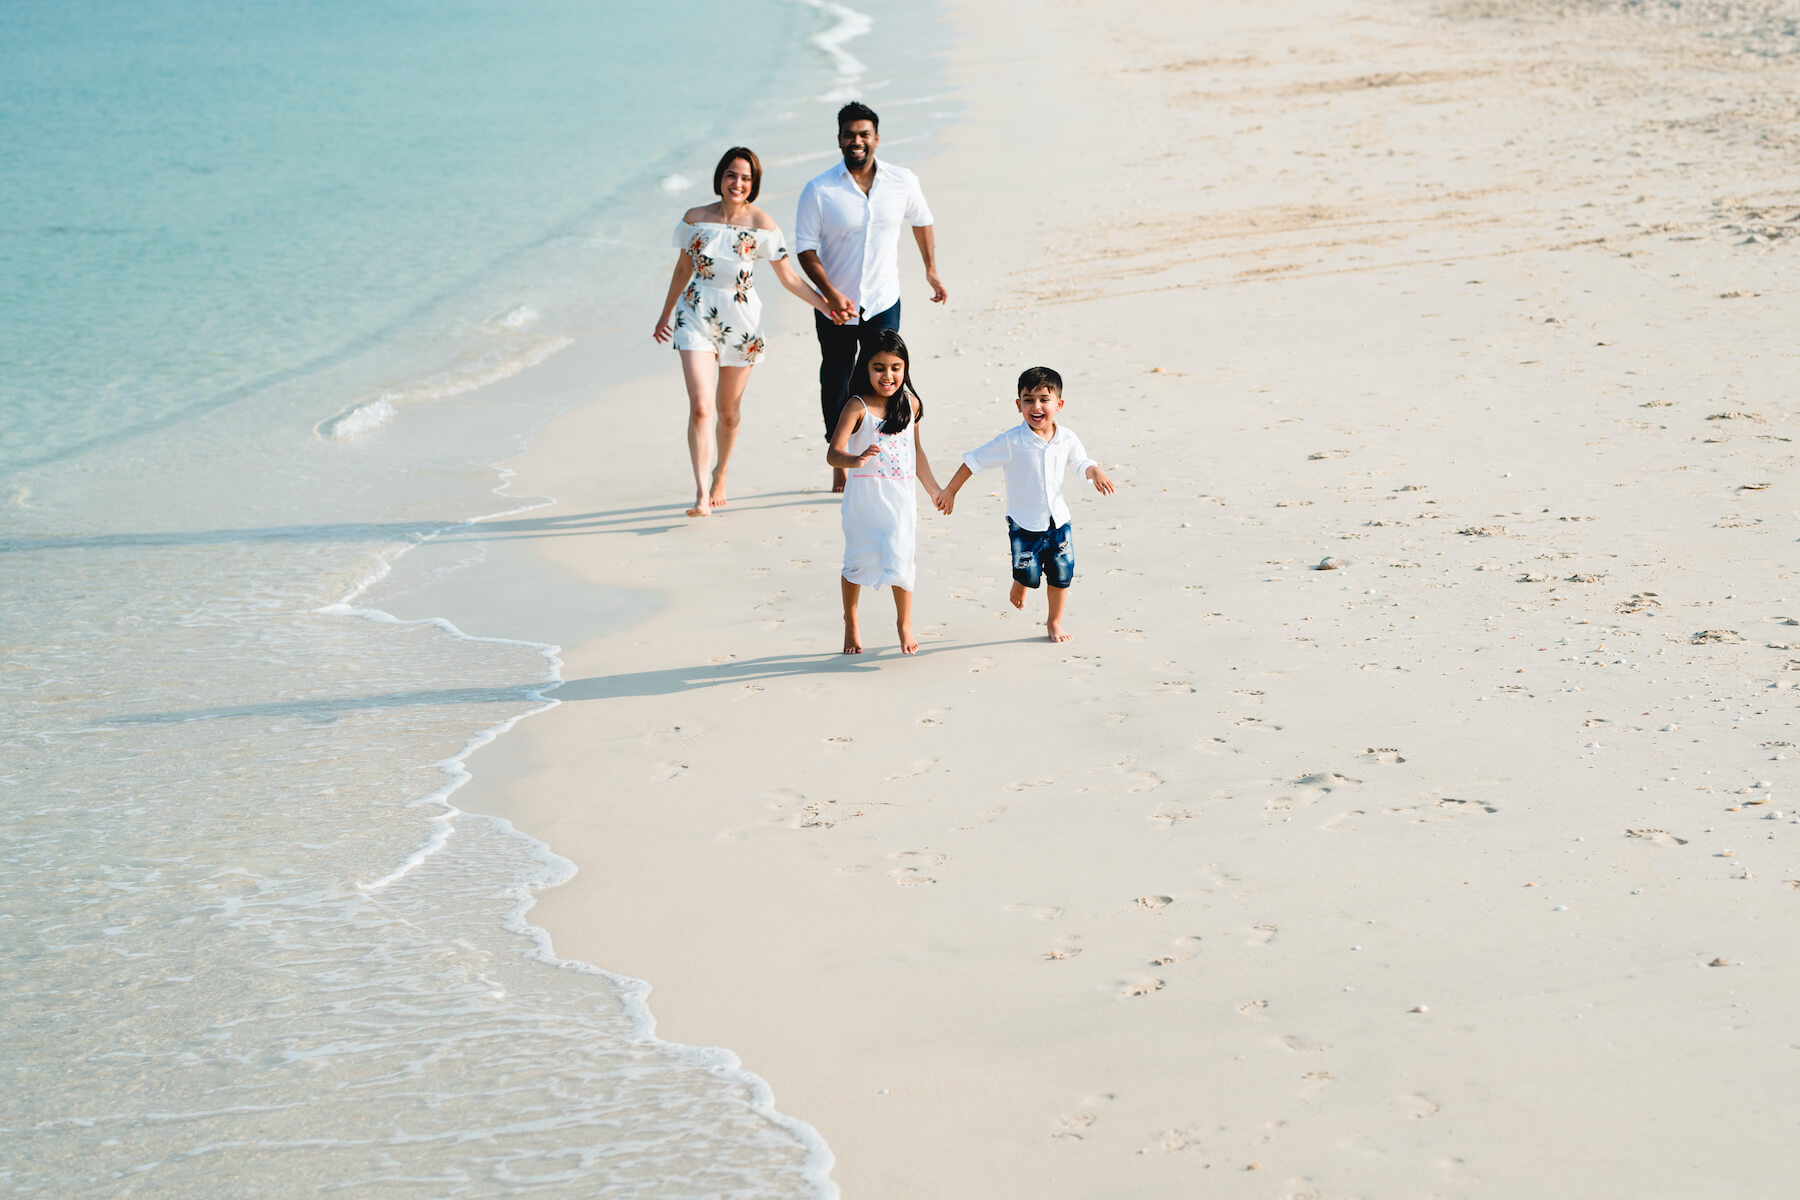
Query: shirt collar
x=1025 y=431
x=843 y=170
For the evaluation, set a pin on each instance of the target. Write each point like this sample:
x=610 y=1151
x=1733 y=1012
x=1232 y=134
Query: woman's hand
x=664 y=330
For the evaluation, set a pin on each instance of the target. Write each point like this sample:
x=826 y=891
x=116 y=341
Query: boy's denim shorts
x=1042 y=555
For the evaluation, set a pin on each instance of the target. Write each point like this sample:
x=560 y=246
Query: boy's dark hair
x=749 y=156
x=856 y=110
x=1037 y=377
x=889 y=341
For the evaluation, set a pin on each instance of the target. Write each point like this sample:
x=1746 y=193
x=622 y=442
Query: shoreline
x=1254 y=892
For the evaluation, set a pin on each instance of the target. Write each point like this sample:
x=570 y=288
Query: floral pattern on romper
x=720 y=311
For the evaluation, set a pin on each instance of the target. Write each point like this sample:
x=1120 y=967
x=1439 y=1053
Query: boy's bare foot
x=1055 y=630
x=852 y=639
x=837 y=479
x=1017 y=595
x=908 y=643
x=717 y=498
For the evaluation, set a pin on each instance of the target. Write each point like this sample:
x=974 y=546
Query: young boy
x=1036 y=452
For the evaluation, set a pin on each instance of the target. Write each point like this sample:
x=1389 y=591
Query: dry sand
x=1466 y=869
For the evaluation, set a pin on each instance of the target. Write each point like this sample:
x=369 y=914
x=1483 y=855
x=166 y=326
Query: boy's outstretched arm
x=946 y=499
x=1102 y=481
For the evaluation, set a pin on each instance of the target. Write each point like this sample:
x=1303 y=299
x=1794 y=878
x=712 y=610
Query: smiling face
x=887 y=371
x=858 y=139
x=1039 y=407
x=736 y=181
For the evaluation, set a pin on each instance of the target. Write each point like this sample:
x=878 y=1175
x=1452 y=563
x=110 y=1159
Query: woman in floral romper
x=714 y=315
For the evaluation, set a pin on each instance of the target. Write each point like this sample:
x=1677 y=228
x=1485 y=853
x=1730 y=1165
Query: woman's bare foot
x=852 y=639
x=702 y=508
x=717 y=498
x=908 y=643
x=837 y=479
x=1055 y=629
x=1017 y=595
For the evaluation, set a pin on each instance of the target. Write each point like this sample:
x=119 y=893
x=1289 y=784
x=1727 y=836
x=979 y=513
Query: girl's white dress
x=880 y=515
x=719 y=311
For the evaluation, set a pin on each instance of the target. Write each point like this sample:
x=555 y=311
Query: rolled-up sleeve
x=1079 y=461
x=807 y=222
x=995 y=453
x=917 y=211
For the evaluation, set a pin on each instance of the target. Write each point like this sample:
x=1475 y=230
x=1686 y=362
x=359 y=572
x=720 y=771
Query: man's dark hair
x=1037 y=377
x=856 y=110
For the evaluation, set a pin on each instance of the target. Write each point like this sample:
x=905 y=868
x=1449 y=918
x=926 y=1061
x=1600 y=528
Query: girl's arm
x=922 y=465
x=838 y=453
x=684 y=268
x=790 y=279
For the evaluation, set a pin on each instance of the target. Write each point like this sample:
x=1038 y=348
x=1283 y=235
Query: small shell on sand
x=1721 y=961
x=1420 y=1008
x=1328 y=563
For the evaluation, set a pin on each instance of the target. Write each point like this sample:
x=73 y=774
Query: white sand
x=1274 y=881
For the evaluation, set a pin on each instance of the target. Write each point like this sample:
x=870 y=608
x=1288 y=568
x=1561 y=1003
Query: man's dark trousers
x=839 y=348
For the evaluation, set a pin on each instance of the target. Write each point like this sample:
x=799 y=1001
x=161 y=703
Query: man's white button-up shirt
x=857 y=237
x=1034 y=473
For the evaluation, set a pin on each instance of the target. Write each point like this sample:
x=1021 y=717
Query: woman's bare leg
x=852 y=639
x=903 y=621
x=732 y=382
x=698 y=371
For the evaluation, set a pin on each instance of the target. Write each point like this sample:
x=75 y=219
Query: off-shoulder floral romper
x=719 y=311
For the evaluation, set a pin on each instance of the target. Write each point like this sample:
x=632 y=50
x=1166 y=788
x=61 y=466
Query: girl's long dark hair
x=889 y=341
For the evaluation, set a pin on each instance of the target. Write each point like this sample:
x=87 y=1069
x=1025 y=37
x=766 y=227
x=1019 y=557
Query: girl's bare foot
x=908 y=643
x=1018 y=595
x=1055 y=629
x=852 y=639
x=717 y=498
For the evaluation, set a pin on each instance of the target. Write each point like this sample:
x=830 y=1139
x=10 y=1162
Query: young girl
x=877 y=442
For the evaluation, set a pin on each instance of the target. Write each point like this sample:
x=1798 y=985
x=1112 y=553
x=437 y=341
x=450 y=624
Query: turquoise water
x=259 y=265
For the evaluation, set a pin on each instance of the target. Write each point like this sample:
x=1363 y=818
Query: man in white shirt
x=847 y=236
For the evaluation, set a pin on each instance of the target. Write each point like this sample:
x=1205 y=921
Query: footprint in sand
x=1278 y=806
x=1256 y=1010
x=914 y=864
x=1134 y=634
x=1145 y=781
x=1248 y=695
x=1661 y=837
x=990 y=815
x=1185 y=949
x=931 y=718
x=1302 y=1045
x=1262 y=935
x=919 y=767
x=1154 y=902
x=1144 y=985
x=1065 y=948
x=1073 y=1126
x=1314 y=1082
x=1041 y=781
x=1383 y=754
x=1174 y=1141
x=824 y=814
x=839 y=740
x=1343 y=821
x=1256 y=723
x=1417 y=1106
x=1041 y=912
x=1455 y=807
x=977 y=665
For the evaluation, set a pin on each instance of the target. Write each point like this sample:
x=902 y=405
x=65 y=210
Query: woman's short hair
x=749 y=156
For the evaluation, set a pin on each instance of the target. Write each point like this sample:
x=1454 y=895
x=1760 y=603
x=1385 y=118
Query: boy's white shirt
x=1034 y=472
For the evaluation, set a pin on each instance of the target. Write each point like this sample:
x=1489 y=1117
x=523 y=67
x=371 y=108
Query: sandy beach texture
x=1467 y=868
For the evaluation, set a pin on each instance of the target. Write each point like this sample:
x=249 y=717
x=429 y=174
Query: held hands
x=1102 y=482
x=945 y=500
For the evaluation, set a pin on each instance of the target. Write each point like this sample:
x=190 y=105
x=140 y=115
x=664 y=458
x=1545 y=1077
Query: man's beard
x=856 y=160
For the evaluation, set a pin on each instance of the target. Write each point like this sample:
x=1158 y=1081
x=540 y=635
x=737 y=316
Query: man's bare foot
x=717 y=498
x=837 y=479
x=1055 y=629
x=1017 y=595
x=852 y=639
x=908 y=643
